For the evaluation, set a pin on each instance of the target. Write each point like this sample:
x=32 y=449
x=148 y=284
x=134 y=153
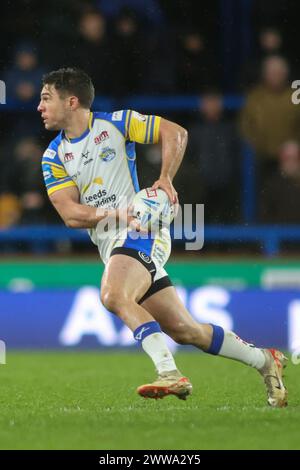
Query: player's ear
x=73 y=102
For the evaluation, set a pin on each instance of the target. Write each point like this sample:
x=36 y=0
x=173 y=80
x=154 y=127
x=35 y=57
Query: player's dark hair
x=72 y=81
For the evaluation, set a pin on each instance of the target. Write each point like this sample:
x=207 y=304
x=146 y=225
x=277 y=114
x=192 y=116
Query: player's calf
x=195 y=334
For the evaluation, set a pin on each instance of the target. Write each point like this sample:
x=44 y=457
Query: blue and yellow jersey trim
x=55 y=175
x=135 y=127
x=142 y=128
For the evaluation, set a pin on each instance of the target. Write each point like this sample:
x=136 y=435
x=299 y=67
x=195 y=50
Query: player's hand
x=126 y=217
x=165 y=183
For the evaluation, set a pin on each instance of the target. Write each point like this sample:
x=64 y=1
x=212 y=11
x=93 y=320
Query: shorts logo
x=107 y=154
x=68 y=157
x=49 y=153
x=101 y=137
x=144 y=257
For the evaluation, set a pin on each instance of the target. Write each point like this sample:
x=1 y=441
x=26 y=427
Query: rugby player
x=88 y=168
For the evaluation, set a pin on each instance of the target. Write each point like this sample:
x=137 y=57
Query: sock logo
x=244 y=342
x=139 y=335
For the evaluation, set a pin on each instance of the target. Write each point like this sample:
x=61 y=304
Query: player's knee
x=112 y=300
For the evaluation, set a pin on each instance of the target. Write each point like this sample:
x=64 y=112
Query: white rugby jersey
x=101 y=162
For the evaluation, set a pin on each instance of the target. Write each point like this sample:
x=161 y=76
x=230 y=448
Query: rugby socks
x=228 y=344
x=149 y=335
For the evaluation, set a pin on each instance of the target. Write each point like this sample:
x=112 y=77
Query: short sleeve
x=141 y=128
x=54 y=173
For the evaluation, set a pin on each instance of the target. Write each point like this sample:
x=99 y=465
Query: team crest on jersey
x=107 y=154
x=49 y=153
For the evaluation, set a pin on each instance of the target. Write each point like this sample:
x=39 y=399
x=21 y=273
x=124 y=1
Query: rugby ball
x=153 y=209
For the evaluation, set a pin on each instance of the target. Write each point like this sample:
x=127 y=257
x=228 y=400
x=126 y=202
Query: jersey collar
x=86 y=132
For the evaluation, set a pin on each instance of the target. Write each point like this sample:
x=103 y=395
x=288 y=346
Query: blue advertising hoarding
x=76 y=318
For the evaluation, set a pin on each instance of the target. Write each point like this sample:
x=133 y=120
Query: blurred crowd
x=145 y=47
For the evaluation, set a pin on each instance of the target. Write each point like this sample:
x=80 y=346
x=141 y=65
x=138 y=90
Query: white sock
x=234 y=347
x=155 y=346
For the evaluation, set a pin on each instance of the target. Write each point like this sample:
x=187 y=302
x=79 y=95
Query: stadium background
x=197 y=63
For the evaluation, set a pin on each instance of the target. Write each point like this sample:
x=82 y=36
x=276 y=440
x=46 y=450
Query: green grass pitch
x=87 y=400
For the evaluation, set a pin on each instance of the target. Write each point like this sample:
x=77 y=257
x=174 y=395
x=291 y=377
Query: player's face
x=53 y=108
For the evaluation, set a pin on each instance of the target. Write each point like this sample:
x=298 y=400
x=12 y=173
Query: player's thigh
x=168 y=310
x=125 y=277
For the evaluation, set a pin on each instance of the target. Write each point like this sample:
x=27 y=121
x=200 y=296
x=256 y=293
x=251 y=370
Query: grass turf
x=87 y=400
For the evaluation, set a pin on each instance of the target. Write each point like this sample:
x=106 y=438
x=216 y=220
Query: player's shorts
x=151 y=253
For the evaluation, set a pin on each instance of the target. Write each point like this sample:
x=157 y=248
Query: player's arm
x=65 y=197
x=64 y=194
x=74 y=214
x=173 y=140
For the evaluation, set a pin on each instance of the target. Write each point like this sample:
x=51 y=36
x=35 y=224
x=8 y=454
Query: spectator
x=23 y=79
x=10 y=210
x=25 y=181
x=126 y=52
x=214 y=152
x=93 y=49
x=159 y=74
x=58 y=35
x=281 y=195
x=196 y=68
x=269 y=44
x=269 y=117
